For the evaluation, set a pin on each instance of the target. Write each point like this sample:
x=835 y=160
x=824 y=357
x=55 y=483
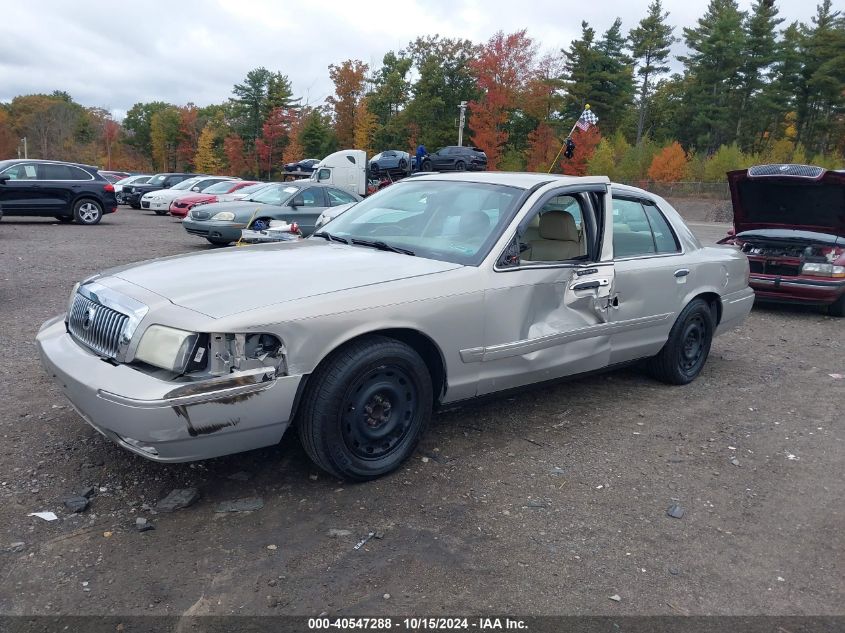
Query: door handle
x=590 y=285
x=682 y=272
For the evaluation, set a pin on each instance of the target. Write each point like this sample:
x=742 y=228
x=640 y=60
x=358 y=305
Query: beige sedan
x=435 y=290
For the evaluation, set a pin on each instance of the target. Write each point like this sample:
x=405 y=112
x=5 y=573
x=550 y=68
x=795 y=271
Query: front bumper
x=157 y=419
x=213 y=230
x=811 y=290
x=155 y=205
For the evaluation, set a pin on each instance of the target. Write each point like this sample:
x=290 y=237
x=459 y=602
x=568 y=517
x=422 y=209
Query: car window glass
x=664 y=237
x=54 y=172
x=338 y=197
x=185 y=184
x=631 y=230
x=75 y=173
x=310 y=198
x=450 y=221
x=157 y=180
x=324 y=174
x=555 y=232
x=22 y=171
x=219 y=187
x=273 y=194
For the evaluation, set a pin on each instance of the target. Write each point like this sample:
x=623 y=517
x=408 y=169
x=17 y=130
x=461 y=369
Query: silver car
x=435 y=290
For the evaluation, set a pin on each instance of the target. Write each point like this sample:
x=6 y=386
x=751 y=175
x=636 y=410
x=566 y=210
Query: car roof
x=41 y=161
x=522 y=180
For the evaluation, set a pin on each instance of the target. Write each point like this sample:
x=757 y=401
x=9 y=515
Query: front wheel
x=685 y=352
x=218 y=242
x=87 y=212
x=157 y=212
x=426 y=165
x=365 y=409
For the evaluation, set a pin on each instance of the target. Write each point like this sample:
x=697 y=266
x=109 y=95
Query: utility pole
x=25 y=154
x=463 y=108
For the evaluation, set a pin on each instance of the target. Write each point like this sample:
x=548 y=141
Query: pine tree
x=650 y=43
x=712 y=67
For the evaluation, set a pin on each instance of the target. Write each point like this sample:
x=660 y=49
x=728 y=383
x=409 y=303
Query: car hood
x=242 y=209
x=775 y=197
x=228 y=281
x=193 y=198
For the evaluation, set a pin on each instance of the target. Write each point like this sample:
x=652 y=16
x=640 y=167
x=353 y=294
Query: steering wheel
x=389 y=229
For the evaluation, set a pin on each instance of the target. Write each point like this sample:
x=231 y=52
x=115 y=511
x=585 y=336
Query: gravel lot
x=548 y=502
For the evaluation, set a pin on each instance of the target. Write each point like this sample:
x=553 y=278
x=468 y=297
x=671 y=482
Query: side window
x=337 y=197
x=311 y=198
x=50 y=171
x=75 y=173
x=22 y=171
x=555 y=232
x=664 y=237
x=324 y=174
x=631 y=230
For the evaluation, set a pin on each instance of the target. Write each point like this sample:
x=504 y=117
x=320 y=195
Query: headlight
x=822 y=270
x=225 y=216
x=166 y=347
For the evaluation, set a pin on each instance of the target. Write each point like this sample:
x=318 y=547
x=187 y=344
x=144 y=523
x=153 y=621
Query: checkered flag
x=586 y=119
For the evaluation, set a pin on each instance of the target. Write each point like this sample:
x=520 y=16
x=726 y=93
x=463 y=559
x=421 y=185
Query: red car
x=216 y=193
x=790 y=222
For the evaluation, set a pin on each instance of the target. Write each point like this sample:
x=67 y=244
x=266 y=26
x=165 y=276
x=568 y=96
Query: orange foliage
x=293 y=150
x=189 y=135
x=8 y=138
x=585 y=147
x=543 y=146
x=502 y=68
x=669 y=164
x=348 y=81
x=233 y=148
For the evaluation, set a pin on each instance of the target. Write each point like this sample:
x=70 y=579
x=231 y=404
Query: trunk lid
x=790 y=197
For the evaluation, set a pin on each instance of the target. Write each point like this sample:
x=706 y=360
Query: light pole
x=463 y=108
x=25 y=154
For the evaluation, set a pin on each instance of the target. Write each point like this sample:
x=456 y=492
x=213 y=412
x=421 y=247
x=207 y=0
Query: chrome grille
x=805 y=171
x=96 y=326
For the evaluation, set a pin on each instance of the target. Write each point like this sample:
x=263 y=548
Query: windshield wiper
x=331 y=238
x=384 y=246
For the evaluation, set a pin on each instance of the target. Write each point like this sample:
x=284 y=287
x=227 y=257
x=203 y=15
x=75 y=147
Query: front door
x=21 y=194
x=546 y=310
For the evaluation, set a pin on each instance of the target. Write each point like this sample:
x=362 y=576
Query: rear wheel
x=366 y=407
x=403 y=164
x=685 y=352
x=460 y=165
x=837 y=308
x=87 y=211
x=426 y=165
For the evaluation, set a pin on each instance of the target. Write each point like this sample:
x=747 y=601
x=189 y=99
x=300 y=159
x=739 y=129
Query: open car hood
x=788 y=197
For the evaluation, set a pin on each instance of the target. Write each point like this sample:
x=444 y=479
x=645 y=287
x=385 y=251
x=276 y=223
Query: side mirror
x=4 y=178
x=166 y=185
x=298 y=201
x=195 y=188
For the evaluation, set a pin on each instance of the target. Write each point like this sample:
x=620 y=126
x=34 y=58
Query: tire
x=64 y=219
x=87 y=211
x=460 y=166
x=157 y=212
x=685 y=352
x=374 y=169
x=403 y=164
x=426 y=165
x=837 y=308
x=365 y=408
x=217 y=242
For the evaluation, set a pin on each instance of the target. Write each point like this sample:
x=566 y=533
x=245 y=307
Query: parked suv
x=67 y=191
x=132 y=193
x=456 y=158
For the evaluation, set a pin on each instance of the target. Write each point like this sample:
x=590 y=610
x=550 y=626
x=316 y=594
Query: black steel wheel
x=365 y=408
x=685 y=352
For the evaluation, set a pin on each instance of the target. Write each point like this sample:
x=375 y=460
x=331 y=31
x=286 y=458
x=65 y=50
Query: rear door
x=546 y=307
x=309 y=204
x=651 y=278
x=60 y=184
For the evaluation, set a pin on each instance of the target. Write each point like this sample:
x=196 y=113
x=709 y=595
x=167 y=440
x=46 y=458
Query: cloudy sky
x=114 y=54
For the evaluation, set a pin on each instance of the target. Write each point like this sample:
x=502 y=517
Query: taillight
x=108 y=187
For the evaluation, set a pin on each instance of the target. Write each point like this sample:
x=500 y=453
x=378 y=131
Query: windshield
x=445 y=220
x=252 y=188
x=157 y=180
x=185 y=184
x=220 y=187
x=274 y=194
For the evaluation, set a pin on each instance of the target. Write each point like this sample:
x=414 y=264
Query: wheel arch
x=421 y=343
x=713 y=299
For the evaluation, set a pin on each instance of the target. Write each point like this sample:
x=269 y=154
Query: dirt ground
x=547 y=502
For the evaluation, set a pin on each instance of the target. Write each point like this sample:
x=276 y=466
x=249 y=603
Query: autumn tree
x=238 y=162
x=349 y=83
x=543 y=146
x=164 y=137
x=585 y=147
x=274 y=136
x=502 y=68
x=189 y=135
x=293 y=150
x=669 y=164
x=365 y=127
x=207 y=160
x=8 y=138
